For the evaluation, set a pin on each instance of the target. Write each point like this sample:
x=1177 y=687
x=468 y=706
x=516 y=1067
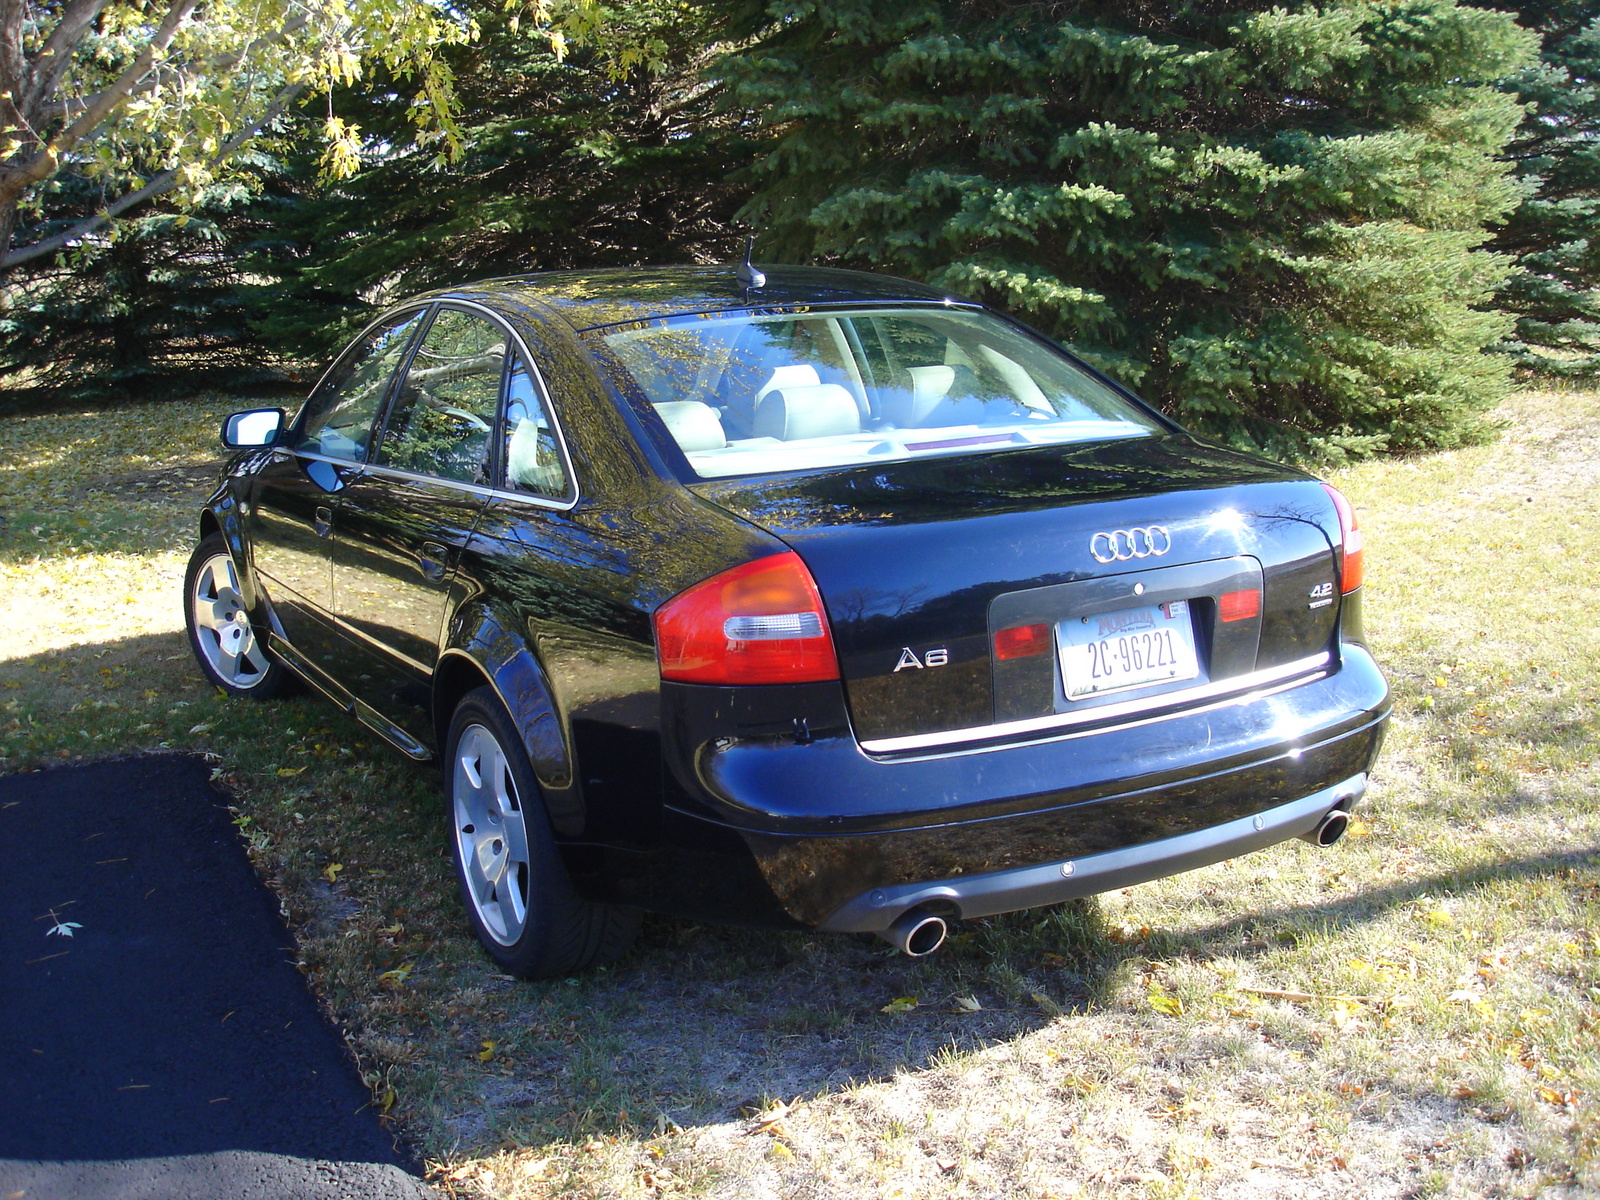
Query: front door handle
x=432 y=561
x=324 y=521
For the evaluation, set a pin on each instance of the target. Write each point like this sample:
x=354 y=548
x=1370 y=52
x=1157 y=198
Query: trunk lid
x=1118 y=562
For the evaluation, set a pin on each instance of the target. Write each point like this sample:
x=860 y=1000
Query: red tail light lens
x=762 y=622
x=1352 y=570
x=1020 y=641
x=1239 y=606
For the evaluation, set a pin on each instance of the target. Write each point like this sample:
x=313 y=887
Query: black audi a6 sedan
x=817 y=599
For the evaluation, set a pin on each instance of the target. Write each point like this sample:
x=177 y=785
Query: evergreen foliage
x=1269 y=219
x=592 y=160
x=149 y=308
x=1555 y=233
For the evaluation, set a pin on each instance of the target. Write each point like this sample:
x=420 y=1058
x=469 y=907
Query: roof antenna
x=749 y=278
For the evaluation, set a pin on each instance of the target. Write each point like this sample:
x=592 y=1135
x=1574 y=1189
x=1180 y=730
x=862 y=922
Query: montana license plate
x=1108 y=652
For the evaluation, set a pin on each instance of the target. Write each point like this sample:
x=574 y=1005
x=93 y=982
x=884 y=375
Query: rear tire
x=520 y=902
x=224 y=640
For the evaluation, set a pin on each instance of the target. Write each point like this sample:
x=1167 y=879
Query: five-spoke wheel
x=519 y=898
x=490 y=834
x=220 y=632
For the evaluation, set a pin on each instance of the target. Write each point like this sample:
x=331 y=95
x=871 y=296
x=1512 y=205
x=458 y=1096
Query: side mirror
x=257 y=427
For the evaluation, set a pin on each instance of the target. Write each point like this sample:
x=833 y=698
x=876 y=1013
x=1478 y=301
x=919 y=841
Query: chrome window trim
x=477 y=489
x=1223 y=691
x=574 y=492
x=430 y=308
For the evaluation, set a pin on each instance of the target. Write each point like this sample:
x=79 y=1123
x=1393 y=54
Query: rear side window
x=750 y=394
x=532 y=455
x=340 y=414
x=443 y=414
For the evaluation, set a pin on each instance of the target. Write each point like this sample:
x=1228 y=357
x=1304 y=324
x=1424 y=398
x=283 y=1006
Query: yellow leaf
x=331 y=872
x=396 y=977
x=1165 y=1002
x=487 y=1052
x=290 y=770
x=779 y=1150
x=902 y=1005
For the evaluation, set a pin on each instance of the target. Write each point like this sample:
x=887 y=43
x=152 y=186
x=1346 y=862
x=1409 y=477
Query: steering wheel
x=474 y=422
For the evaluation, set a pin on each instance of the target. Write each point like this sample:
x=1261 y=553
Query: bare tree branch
x=71 y=107
x=17 y=178
x=55 y=56
x=161 y=184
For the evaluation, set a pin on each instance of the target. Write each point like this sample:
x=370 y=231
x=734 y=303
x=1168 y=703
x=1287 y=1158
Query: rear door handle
x=432 y=561
x=324 y=521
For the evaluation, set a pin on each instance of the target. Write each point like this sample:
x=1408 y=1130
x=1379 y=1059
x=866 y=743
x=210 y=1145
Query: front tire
x=221 y=634
x=519 y=900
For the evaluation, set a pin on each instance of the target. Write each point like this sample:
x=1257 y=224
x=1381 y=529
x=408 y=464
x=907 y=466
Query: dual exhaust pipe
x=917 y=932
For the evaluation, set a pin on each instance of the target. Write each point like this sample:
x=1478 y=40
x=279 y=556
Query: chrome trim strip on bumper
x=1050 y=883
x=1238 y=687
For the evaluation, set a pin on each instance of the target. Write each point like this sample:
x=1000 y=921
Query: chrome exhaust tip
x=916 y=933
x=1330 y=829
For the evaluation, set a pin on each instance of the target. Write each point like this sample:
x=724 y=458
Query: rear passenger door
x=403 y=522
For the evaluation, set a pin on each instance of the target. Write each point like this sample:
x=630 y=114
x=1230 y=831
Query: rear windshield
x=744 y=394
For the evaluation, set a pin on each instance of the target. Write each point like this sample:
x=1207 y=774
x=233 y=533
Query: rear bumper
x=833 y=837
x=1051 y=883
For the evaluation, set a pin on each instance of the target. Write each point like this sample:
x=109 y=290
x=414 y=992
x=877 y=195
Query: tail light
x=762 y=622
x=1239 y=606
x=1351 y=569
x=1021 y=641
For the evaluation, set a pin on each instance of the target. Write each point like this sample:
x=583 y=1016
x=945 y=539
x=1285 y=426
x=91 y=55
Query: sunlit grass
x=1414 y=1012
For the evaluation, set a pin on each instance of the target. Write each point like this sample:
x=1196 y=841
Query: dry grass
x=1414 y=1013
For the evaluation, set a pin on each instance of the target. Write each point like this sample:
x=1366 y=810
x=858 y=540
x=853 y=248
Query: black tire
x=519 y=900
x=230 y=651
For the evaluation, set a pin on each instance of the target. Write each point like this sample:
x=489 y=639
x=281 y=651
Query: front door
x=402 y=523
x=294 y=498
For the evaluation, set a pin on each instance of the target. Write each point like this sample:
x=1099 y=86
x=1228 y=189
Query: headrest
x=694 y=425
x=794 y=375
x=819 y=410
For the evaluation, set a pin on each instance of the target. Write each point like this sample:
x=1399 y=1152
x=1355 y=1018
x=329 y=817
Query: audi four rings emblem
x=1119 y=545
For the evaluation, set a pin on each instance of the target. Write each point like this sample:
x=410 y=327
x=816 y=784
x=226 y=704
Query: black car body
x=944 y=731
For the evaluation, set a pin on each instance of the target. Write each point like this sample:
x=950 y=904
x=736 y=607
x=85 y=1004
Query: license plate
x=1107 y=652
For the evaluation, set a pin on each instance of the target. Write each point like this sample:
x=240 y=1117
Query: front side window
x=746 y=394
x=445 y=407
x=339 y=416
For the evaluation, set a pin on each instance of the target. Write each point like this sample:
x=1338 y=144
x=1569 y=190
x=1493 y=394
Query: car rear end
x=1019 y=639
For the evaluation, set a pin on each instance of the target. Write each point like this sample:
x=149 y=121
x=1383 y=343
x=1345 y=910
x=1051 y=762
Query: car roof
x=612 y=296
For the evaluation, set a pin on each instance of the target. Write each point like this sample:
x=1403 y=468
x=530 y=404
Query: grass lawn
x=1415 y=1012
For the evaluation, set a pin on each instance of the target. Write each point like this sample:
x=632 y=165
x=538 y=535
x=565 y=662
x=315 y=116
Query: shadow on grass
x=696 y=1026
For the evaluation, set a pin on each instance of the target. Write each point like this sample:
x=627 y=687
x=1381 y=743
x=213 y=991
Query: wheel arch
x=484 y=653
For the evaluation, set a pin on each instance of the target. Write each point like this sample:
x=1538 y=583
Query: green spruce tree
x=1554 y=235
x=1267 y=218
x=145 y=308
x=612 y=155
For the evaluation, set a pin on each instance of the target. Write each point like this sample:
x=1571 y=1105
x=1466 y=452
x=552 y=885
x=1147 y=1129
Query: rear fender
x=482 y=650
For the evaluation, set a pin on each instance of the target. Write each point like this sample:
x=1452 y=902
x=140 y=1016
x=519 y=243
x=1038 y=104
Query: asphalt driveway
x=168 y=1046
